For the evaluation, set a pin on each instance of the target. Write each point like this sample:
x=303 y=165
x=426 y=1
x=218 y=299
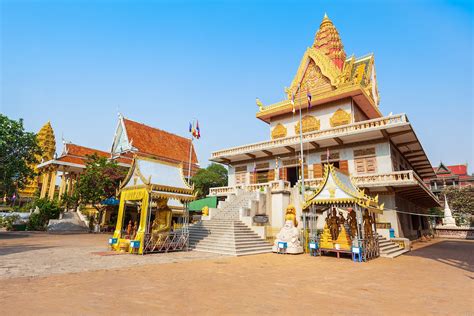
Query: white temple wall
x=322 y=112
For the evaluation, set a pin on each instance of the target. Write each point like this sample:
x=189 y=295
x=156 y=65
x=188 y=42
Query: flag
x=198 y=131
x=309 y=98
x=190 y=127
x=327 y=154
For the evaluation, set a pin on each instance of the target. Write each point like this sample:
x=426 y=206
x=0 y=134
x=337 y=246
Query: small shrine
x=349 y=216
x=144 y=222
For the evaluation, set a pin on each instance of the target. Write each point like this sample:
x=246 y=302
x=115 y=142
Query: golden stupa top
x=327 y=74
x=47 y=142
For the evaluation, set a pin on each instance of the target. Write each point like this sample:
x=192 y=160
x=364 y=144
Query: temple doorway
x=292 y=175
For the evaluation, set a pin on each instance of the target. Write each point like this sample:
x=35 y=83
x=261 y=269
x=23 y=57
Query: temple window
x=365 y=160
x=240 y=175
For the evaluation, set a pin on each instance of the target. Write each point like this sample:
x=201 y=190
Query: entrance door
x=292 y=175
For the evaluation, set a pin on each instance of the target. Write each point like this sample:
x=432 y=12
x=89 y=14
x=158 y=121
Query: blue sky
x=77 y=63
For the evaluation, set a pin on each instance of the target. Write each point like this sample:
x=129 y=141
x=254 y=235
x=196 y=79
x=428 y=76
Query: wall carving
x=279 y=131
x=310 y=123
x=339 y=118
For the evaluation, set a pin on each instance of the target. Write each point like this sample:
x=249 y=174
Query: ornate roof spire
x=47 y=141
x=328 y=41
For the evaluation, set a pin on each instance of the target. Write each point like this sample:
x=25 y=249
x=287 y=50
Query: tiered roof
x=78 y=154
x=328 y=41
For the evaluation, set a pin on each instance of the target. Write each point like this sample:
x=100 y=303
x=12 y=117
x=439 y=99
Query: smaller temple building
x=58 y=175
x=449 y=176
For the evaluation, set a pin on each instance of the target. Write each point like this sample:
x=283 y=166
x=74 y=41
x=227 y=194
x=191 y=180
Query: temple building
x=342 y=125
x=449 y=176
x=131 y=139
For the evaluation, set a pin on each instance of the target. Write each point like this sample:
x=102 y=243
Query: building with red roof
x=446 y=176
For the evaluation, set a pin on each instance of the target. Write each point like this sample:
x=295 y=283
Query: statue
x=333 y=224
x=290 y=215
x=129 y=228
x=134 y=229
x=352 y=220
x=162 y=222
x=289 y=234
x=205 y=211
x=368 y=221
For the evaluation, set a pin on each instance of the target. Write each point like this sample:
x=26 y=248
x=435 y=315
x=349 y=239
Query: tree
x=214 y=175
x=18 y=155
x=461 y=202
x=99 y=181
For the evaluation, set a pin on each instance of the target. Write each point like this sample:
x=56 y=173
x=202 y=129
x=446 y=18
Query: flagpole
x=190 y=156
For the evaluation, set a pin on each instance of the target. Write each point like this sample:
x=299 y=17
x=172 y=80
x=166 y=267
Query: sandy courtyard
x=60 y=274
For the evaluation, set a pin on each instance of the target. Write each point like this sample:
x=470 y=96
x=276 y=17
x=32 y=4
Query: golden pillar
x=52 y=185
x=44 y=184
x=62 y=186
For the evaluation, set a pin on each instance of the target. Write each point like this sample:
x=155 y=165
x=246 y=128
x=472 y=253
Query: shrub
x=47 y=210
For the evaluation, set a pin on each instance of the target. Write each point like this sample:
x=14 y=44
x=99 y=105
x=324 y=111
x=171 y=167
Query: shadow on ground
x=455 y=253
x=8 y=250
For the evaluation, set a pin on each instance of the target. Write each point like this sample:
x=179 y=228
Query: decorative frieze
x=339 y=118
x=310 y=124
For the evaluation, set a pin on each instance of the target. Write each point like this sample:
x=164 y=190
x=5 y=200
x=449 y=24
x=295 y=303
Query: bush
x=47 y=210
x=8 y=221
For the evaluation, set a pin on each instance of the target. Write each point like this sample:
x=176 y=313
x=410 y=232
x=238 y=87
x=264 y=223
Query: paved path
x=436 y=279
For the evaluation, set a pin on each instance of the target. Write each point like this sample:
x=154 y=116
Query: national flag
x=190 y=127
x=309 y=98
x=198 y=131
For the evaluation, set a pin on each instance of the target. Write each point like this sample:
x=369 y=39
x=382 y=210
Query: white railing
x=396 y=178
x=377 y=123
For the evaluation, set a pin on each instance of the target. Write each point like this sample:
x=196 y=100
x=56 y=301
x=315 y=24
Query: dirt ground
x=58 y=274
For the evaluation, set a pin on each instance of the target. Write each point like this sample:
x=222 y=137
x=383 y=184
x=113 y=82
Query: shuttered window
x=271 y=175
x=317 y=170
x=344 y=166
x=366 y=165
x=282 y=173
x=240 y=177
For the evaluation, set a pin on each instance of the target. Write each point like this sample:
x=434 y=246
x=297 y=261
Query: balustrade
x=311 y=136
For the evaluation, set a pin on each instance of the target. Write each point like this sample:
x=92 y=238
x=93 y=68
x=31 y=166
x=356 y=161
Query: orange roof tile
x=159 y=143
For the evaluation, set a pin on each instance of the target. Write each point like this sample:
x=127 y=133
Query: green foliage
x=214 y=175
x=461 y=202
x=8 y=221
x=18 y=155
x=47 y=210
x=69 y=201
x=100 y=181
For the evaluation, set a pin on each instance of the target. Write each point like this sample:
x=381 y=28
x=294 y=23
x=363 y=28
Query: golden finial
x=259 y=103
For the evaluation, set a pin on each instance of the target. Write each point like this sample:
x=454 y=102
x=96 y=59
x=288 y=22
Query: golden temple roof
x=327 y=40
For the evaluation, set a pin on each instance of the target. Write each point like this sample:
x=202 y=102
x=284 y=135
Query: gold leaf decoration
x=279 y=131
x=310 y=123
x=339 y=118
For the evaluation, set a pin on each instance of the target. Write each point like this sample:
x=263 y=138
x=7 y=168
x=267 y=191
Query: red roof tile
x=81 y=151
x=458 y=169
x=156 y=142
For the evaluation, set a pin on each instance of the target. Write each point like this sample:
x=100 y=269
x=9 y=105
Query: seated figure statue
x=162 y=223
x=289 y=233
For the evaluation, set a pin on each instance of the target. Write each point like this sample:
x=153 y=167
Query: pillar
x=62 y=186
x=52 y=185
x=44 y=184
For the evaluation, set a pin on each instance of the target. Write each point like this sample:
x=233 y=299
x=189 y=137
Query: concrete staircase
x=70 y=222
x=389 y=249
x=225 y=234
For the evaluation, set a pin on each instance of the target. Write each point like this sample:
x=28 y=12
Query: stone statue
x=368 y=221
x=341 y=219
x=290 y=215
x=333 y=223
x=289 y=234
x=352 y=220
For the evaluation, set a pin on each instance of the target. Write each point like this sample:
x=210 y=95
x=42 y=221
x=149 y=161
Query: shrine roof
x=458 y=169
x=156 y=142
